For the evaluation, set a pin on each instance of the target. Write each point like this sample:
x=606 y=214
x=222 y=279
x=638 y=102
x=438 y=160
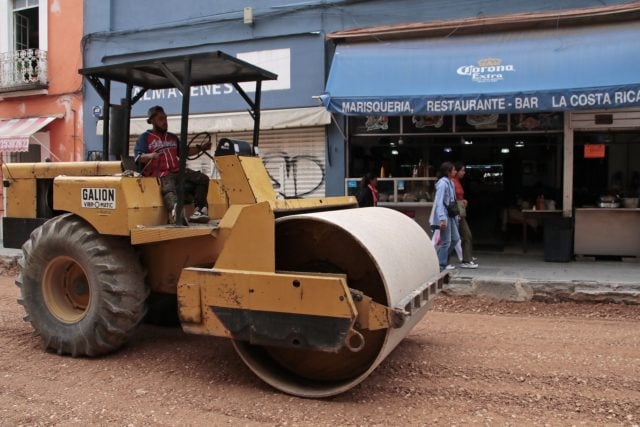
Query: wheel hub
x=66 y=289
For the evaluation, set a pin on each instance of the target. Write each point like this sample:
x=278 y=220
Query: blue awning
x=595 y=67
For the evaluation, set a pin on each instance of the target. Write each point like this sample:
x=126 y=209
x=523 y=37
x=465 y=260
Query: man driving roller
x=157 y=150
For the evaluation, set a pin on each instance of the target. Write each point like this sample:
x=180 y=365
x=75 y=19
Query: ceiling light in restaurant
x=504 y=151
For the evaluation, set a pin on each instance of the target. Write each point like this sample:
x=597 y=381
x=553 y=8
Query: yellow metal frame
x=312 y=295
x=21 y=194
x=244 y=240
x=374 y=316
x=138 y=202
x=21 y=198
x=245 y=180
x=50 y=170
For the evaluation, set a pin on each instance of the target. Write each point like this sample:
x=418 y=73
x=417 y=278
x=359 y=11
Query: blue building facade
x=289 y=38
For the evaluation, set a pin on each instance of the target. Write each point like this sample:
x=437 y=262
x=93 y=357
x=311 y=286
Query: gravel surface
x=469 y=362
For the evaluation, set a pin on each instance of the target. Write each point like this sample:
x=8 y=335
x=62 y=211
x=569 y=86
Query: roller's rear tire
x=84 y=293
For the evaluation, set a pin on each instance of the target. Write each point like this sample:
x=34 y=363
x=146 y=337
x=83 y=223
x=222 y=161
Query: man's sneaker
x=469 y=264
x=198 y=216
x=450 y=267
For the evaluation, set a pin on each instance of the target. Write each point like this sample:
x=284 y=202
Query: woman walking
x=444 y=214
x=464 y=230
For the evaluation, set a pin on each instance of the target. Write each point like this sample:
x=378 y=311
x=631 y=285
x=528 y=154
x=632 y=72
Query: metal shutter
x=294 y=158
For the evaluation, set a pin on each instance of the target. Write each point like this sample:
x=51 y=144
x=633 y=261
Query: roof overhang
x=15 y=133
x=586 y=67
x=485 y=24
x=240 y=121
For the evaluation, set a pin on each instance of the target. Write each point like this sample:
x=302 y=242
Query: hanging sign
x=594 y=151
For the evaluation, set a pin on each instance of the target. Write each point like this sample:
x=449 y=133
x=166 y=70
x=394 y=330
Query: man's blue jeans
x=448 y=239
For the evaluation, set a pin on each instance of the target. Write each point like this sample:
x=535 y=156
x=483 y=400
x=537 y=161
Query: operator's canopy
x=181 y=72
x=161 y=73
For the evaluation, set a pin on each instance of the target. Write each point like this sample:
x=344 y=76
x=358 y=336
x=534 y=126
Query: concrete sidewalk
x=522 y=277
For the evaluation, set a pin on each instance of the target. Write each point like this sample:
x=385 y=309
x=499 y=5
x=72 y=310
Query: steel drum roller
x=384 y=254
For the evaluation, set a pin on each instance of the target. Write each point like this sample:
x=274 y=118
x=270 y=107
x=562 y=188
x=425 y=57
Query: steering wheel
x=199 y=140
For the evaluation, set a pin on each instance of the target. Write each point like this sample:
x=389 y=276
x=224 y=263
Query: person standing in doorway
x=444 y=214
x=466 y=239
x=368 y=192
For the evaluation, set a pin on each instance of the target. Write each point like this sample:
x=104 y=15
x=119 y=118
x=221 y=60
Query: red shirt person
x=157 y=150
x=466 y=238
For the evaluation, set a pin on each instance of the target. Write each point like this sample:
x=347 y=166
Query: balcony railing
x=23 y=70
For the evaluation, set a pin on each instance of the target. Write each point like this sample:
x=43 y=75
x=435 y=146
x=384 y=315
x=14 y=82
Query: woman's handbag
x=452 y=209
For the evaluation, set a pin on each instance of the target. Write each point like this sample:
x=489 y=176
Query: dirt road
x=468 y=363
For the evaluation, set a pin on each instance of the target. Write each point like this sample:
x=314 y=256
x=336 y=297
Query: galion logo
x=488 y=70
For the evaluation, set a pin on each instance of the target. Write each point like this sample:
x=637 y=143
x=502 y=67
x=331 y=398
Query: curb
x=534 y=290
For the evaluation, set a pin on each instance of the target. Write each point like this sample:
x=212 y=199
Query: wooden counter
x=607 y=231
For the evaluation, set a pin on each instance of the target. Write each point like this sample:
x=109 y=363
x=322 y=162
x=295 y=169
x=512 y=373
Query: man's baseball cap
x=153 y=111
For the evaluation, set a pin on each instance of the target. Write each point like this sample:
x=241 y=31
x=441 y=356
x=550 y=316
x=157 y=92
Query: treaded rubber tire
x=115 y=281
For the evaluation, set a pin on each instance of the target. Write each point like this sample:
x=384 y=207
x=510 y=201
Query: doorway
x=506 y=172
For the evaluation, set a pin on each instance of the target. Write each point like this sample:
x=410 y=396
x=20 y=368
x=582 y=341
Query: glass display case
x=399 y=192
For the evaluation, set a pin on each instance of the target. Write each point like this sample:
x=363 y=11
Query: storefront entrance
x=508 y=101
x=507 y=168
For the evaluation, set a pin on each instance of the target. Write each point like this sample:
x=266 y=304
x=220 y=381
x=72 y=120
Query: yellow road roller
x=313 y=293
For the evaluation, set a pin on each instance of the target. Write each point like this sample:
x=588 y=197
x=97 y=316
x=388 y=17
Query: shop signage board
x=594 y=151
x=614 y=97
x=519 y=72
